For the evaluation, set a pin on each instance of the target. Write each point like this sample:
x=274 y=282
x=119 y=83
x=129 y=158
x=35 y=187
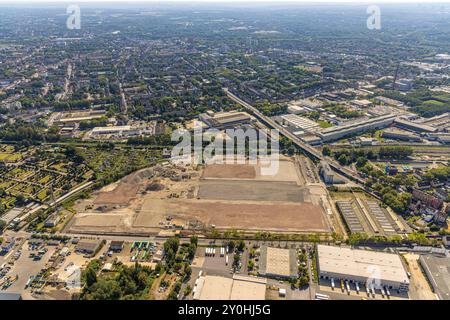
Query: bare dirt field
x=228 y=196
x=231 y=171
x=238 y=215
x=251 y=190
x=124 y=191
x=284 y=170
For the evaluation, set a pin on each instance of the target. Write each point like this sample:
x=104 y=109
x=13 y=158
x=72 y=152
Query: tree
x=194 y=240
x=74 y=154
x=303 y=281
x=2 y=225
x=343 y=159
x=20 y=200
x=241 y=245
x=236 y=260
x=361 y=161
x=191 y=251
x=187 y=272
x=104 y=290
x=172 y=243
x=187 y=290
x=326 y=151
x=91 y=276
x=231 y=245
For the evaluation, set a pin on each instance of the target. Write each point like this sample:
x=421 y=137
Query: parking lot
x=339 y=293
x=215 y=265
x=26 y=266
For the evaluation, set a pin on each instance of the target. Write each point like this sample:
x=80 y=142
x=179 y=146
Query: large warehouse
x=353 y=127
x=362 y=266
x=437 y=270
x=236 y=288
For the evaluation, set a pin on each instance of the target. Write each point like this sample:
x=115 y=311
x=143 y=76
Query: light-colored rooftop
x=216 y=288
x=278 y=261
x=361 y=263
x=111 y=129
x=225 y=117
x=236 y=288
x=248 y=288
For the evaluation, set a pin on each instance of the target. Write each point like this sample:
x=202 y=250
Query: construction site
x=171 y=197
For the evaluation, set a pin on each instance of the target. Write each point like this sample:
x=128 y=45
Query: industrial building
x=303 y=106
x=89 y=247
x=437 y=270
x=413 y=126
x=115 y=131
x=52 y=220
x=373 y=268
x=389 y=101
x=223 y=120
x=10 y=296
x=442 y=122
x=400 y=135
x=116 y=245
x=328 y=175
x=76 y=116
x=236 y=288
x=362 y=103
x=301 y=123
x=354 y=127
x=278 y=263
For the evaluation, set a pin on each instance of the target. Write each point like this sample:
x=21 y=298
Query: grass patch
x=324 y=124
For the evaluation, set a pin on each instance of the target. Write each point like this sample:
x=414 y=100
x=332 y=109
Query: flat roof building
x=400 y=135
x=364 y=103
x=88 y=246
x=116 y=245
x=354 y=127
x=10 y=296
x=437 y=270
x=362 y=266
x=117 y=130
x=77 y=116
x=412 y=126
x=236 y=288
x=224 y=120
x=278 y=263
x=298 y=122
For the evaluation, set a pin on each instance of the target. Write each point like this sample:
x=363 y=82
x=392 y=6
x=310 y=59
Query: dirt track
x=232 y=171
x=238 y=215
x=250 y=190
x=419 y=287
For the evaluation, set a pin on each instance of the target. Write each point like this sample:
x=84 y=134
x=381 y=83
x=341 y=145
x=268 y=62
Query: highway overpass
x=311 y=151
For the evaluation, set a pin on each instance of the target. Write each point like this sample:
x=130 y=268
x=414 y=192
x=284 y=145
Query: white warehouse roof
x=361 y=263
